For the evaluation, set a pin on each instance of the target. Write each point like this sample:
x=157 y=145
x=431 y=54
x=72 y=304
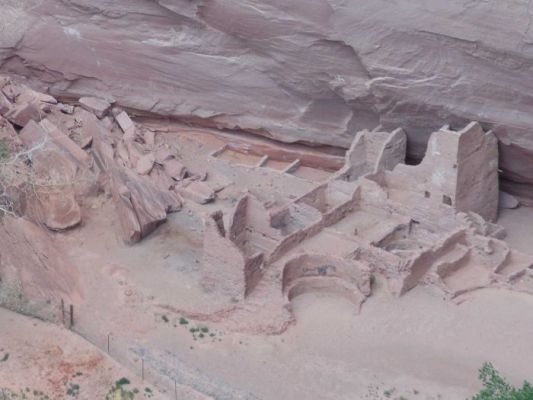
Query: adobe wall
x=459 y=171
x=292 y=240
x=304 y=266
x=223 y=262
x=253 y=272
x=250 y=226
x=392 y=151
x=477 y=174
x=420 y=265
x=237 y=224
x=373 y=151
x=231 y=266
x=419 y=224
x=261 y=181
x=355 y=159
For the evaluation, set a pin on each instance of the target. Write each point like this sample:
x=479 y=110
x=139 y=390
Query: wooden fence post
x=71 y=315
x=63 y=312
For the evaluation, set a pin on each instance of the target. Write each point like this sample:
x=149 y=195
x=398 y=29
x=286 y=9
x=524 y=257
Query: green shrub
x=497 y=388
x=122 y=381
x=4 y=149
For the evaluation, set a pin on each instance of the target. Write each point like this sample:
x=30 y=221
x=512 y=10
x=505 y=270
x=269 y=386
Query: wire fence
x=162 y=369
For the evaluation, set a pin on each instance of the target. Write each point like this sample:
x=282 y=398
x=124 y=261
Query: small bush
x=183 y=321
x=4 y=149
x=73 y=390
x=122 y=381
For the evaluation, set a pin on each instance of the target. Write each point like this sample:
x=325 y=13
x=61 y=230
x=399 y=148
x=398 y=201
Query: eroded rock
x=5 y=105
x=54 y=176
x=145 y=164
x=197 y=191
x=21 y=114
x=175 y=169
x=126 y=124
x=141 y=206
x=98 y=107
x=313 y=71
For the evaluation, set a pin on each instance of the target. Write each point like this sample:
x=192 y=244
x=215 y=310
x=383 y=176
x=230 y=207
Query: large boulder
x=141 y=206
x=56 y=169
x=314 y=71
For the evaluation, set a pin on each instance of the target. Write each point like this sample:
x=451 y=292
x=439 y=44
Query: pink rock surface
x=199 y=192
x=5 y=105
x=145 y=164
x=21 y=114
x=29 y=255
x=125 y=123
x=97 y=106
x=164 y=154
x=315 y=71
x=175 y=169
x=53 y=205
x=141 y=206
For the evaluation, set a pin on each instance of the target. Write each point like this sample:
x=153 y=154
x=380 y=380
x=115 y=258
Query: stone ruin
x=374 y=217
x=307 y=221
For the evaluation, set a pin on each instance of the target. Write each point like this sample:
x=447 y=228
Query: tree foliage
x=496 y=387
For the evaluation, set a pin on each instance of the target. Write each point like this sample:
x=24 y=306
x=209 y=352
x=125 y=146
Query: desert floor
x=417 y=347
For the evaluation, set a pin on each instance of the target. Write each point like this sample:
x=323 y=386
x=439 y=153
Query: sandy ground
x=41 y=361
x=416 y=347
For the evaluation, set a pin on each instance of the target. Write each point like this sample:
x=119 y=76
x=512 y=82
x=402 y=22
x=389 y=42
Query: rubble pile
x=64 y=153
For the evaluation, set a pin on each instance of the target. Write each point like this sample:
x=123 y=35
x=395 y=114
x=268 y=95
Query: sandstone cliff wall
x=315 y=71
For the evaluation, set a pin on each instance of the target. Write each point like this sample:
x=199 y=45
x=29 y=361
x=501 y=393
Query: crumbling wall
x=253 y=272
x=293 y=239
x=355 y=159
x=372 y=151
x=477 y=172
x=418 y=266
x=458 y=171
x=335 y=274
x=251 y=226
x=392 y=151
x=260 y=181
x=223 y=262
x=237 y=225
x=232 y=265
x=316 y=198
x=338 y=211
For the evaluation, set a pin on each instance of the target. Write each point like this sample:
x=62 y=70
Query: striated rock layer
x=314 y=71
